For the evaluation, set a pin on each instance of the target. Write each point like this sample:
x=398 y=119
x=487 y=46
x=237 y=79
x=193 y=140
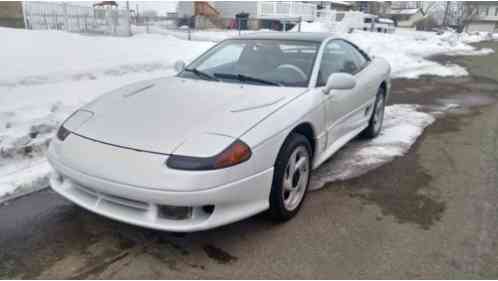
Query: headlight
x=73 y=122
x=234 y=154
x=62 y=133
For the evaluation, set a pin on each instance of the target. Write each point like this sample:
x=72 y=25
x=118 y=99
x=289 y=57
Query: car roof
x=297 y=36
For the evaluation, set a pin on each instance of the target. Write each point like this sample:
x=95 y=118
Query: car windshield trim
x=246 y=78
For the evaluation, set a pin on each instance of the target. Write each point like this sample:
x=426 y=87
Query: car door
x=364 y=97
x=342 y=107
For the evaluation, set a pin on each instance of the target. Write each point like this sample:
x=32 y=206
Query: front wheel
x=377 y=119
x=291 y=178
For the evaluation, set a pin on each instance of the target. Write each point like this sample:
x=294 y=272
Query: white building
x=403 y=5
x=260 y=13
x=483 y=17
x=406 y=17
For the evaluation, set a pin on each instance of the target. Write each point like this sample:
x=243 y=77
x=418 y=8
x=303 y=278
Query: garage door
x=481 y=26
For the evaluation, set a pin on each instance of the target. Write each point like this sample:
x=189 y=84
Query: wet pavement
x=429 y=214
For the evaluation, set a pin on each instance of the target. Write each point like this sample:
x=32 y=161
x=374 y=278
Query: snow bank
x=403 y=124
x=41 y=56
x=23 y=177
x=407 y=51
x=476 y=37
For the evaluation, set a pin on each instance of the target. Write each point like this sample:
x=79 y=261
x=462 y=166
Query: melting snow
x=403 y=124
x=23 y=177
x=42 y=56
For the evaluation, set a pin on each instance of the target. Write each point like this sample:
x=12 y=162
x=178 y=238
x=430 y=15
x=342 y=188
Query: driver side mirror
x=340 y=81
x=179 y=66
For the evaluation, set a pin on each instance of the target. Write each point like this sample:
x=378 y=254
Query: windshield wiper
x=201 y=74
x=245 y=78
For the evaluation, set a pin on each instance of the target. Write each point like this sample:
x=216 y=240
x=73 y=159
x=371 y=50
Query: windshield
x=269 y=62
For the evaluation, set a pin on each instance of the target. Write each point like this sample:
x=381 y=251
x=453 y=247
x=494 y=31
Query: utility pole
x=136 y=15
x=25 y=14
x=66 y=19
x=129 y=17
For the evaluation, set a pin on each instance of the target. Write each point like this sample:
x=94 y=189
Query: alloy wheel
x=378 y=118
x=296 y=177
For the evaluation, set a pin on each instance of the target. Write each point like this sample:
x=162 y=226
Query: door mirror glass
x=340 y=81
x=179 y=66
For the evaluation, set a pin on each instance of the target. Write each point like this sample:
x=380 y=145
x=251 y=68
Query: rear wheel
x=377 y=119
x=291 y=178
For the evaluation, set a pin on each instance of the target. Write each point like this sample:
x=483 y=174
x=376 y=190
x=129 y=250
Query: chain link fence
x=209 y=28
x=114 y=21
x=106 y=20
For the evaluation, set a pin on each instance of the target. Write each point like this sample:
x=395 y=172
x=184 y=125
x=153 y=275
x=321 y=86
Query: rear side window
x=360 y=58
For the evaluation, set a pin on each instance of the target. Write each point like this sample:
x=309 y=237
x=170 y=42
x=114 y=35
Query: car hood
x=159 y=115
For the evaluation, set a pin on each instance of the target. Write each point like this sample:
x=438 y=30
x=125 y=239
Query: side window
x=360 y=58
x=338 y=56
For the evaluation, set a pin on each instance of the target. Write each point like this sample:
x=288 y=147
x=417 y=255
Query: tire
x=289 y=186
x=377 y=119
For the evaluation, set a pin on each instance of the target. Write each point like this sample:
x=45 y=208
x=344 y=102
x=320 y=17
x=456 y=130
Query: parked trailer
x=377 y=24
x=350 y=20
x=384 y=25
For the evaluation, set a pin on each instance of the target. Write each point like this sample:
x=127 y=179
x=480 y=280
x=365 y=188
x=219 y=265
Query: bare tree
x=428 y=9
x=465 y=11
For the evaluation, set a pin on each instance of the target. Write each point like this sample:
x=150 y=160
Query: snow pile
x=476 y=37
x=403 y=124
x=407 y=51
x=41 y=56
x=23 y=177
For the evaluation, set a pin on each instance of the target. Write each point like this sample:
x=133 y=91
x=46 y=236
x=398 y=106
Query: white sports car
x=234 y=133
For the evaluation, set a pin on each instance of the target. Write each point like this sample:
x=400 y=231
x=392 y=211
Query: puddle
x=467 y=100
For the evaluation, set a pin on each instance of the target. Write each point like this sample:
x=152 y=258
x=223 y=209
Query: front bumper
x=140 y=206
